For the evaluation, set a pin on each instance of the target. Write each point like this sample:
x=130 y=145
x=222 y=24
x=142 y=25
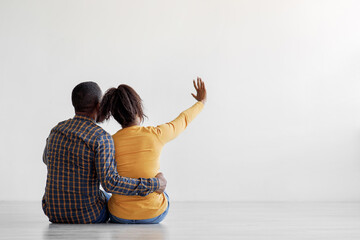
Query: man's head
x=86 y=97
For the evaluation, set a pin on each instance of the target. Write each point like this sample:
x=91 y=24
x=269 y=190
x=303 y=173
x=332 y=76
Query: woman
x=137 y=150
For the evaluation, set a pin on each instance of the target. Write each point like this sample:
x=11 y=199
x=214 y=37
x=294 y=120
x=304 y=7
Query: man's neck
x=86 y=114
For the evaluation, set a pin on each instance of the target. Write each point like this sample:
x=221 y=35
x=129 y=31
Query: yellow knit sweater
x=137 y=154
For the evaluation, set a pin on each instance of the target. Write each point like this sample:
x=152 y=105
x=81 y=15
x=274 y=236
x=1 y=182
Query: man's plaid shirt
x=80 y=155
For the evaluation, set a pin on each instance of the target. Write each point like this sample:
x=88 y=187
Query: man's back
x=72 y=189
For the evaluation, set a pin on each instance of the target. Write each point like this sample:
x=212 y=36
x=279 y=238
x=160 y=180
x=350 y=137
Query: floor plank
x=199 y=220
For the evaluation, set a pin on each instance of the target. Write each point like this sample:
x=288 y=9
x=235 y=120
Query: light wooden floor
x=186 y=220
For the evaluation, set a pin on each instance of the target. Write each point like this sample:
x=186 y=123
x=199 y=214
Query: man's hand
x=162 y=182
x=200 y=90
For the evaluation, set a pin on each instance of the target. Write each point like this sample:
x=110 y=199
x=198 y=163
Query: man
x=79 y=156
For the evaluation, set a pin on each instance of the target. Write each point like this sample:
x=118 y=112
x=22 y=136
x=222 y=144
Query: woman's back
x=137 y=152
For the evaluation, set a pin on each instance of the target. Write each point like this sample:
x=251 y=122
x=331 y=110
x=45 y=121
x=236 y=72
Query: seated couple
x=80 y=156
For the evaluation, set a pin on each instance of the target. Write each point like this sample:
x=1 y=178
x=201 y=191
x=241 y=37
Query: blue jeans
x=154 y=220
x=104 y=214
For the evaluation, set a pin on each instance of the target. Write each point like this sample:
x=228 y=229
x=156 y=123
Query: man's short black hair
x=86 y=96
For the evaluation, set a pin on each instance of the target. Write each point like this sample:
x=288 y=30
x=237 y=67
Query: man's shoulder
x=60 y=125
x=81 y=127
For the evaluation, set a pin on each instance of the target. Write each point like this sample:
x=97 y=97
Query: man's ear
x=97 y=113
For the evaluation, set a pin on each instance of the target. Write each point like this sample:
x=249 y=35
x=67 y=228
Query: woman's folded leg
x=155 y=220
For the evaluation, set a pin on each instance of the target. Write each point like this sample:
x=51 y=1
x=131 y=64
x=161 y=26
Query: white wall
x=282 y=120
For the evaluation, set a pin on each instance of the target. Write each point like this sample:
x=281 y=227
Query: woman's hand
x=200 y=90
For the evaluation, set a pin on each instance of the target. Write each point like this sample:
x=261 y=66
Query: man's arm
x=45 y=160
x=162 y=182
x=110 y=179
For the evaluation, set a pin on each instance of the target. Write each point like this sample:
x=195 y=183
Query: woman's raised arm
x=168 y=131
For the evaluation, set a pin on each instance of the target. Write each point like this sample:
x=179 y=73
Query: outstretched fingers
x=195 y=85
x=199 y=86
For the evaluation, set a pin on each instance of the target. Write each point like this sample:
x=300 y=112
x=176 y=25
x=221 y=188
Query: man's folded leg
x=104 y=214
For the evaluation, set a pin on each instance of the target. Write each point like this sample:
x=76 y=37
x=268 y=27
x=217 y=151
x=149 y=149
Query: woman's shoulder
x=137 y=130
x=151 y=129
